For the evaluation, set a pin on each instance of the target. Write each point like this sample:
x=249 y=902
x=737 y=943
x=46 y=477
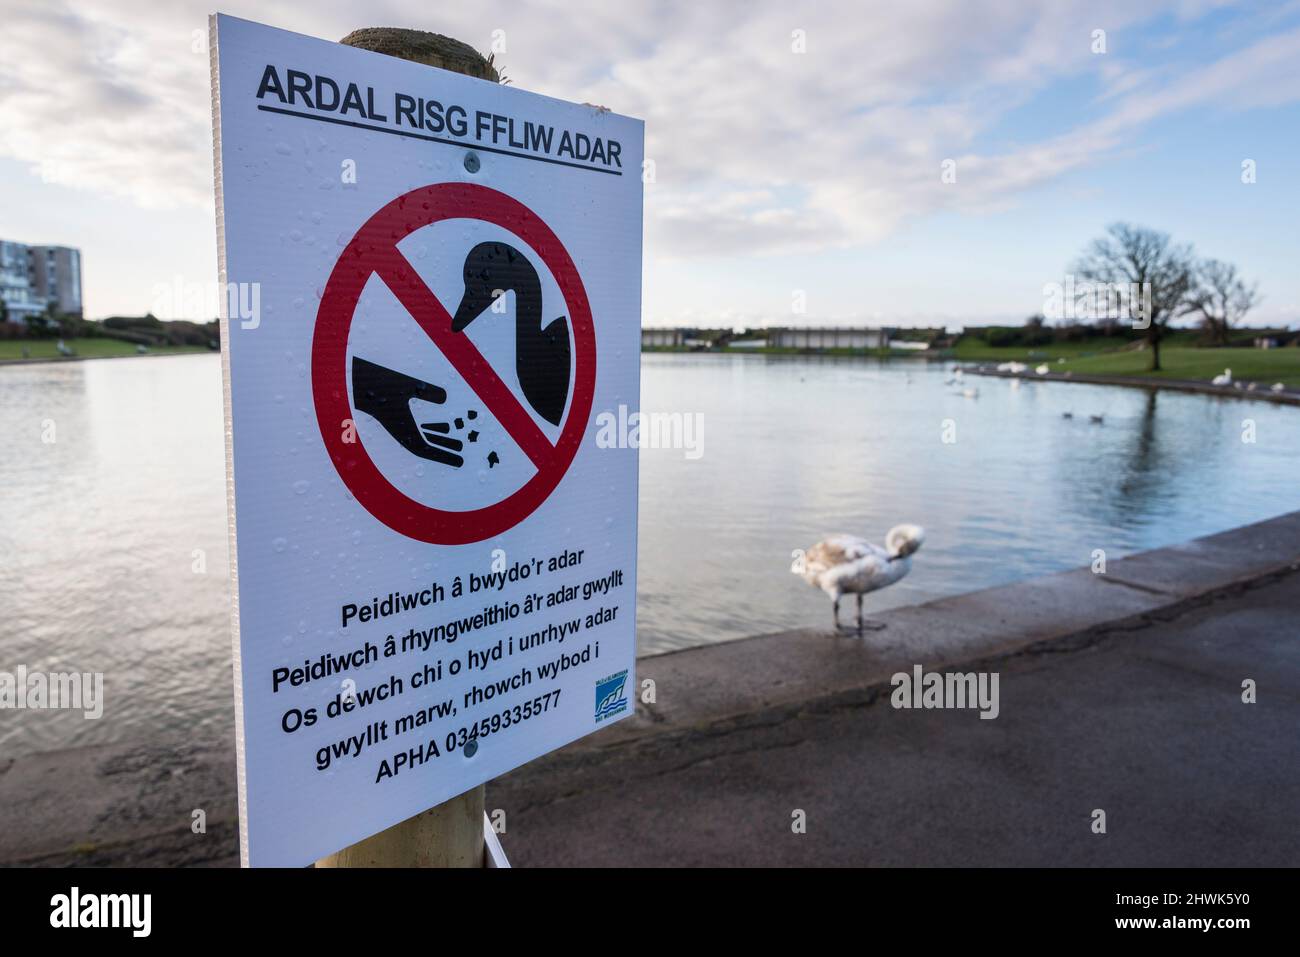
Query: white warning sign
x=434 y=561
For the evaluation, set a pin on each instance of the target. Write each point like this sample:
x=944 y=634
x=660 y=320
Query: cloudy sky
x=776 y=170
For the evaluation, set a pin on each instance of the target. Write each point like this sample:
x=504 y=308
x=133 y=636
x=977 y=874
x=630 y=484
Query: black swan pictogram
x=541 y=353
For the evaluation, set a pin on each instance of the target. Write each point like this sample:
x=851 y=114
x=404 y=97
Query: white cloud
x=96 y=104
x=758 y=149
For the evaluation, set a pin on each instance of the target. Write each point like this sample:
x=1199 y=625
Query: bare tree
x=1221 y=297
x=1145 y=275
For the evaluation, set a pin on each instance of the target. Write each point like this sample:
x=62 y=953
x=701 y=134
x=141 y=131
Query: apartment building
x=34 y=278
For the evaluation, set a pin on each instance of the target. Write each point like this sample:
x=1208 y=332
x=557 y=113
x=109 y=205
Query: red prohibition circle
x=373 y=250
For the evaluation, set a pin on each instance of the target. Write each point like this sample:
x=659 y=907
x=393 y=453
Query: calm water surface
x=113 y=537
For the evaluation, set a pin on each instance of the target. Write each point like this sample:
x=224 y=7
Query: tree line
x=1160 y=281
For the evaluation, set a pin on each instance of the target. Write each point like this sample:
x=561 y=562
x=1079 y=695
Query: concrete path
x=1145 y=722
x=1119 y=692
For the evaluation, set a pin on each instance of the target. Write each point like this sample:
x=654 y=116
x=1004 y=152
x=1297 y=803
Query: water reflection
x=102 y=530
x=799 y=447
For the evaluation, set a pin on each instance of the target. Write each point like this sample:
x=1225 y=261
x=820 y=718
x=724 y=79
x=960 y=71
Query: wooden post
x=431 y=49
x=451 y=834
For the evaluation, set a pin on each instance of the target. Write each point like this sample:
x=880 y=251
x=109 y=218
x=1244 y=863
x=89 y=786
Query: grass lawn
x=783 y=351
x=84 y=348
x=1264 y=366
x=972 y=350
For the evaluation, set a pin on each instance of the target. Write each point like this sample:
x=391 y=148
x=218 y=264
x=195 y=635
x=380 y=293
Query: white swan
x=1224 y=378
x=1043 y=369
x=844 y=564
x=1277 y=387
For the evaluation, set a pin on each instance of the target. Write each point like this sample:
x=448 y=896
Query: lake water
x=113 y=536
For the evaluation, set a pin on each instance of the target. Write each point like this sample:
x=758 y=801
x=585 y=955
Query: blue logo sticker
x=611 y=698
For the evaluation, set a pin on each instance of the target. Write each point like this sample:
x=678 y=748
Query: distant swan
x=844 y=564
x=1224 y=378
